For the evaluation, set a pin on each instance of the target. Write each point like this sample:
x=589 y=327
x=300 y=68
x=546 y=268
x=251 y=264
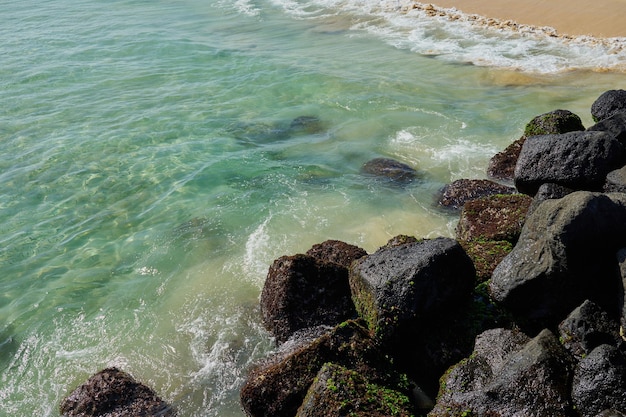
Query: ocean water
x=153 y=164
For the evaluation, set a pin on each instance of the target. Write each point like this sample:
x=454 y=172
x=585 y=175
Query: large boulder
x=600 y=381
x=566 y=253
x=338 y=391
x=395 y=287
x=609 y=103
x=302 y=291
x=419 y=289
x=502 y=165
x=390 y=169
x=457 y=193
x=488 y=228
x=509 y=375
x=114 y=393
x=277 y=386
x=493 y=218
x=579 y=160
x=588 y=327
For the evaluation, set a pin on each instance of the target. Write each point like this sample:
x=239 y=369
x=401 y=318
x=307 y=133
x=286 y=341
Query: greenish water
x=150 y=172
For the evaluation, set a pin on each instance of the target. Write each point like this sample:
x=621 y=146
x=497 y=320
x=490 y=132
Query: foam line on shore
x=451 y=35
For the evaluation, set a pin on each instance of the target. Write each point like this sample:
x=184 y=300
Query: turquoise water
x=150 y=172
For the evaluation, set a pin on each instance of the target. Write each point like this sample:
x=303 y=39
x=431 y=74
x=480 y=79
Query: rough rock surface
x=609 y=103
x=336 y=251
x=338 y=391
x=114 y=393
x=277 y=386
x=614 y=125
x=390 y=169
x=586 y=328
x=502 y=165
x=506 y=376
x=488 y=228
x=493 y=218
x=563 y=243
x=548 y=191
x=395 y=287
x=301 y=291
x=578 y=160
x=616 y=181
x=600 y=381
x=457 y=193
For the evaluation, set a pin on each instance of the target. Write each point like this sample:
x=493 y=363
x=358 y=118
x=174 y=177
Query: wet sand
x=599 y=19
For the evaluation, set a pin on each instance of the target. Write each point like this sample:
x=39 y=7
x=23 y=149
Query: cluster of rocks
x=518 y=315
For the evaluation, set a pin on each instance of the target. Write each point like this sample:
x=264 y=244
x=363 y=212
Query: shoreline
x=566 y=18
x=613 y=45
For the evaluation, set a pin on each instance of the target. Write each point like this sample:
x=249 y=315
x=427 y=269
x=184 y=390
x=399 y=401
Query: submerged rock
x=114 y=393
x=306 y=125
x=390 y=169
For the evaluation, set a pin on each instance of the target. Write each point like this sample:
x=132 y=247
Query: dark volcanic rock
x=417 y=288
x=616 y=181
x=277 y=386
x=507 y=377
x=395 y=287
x=502 y=165
x=548 y=191
x=563 y=243
x=614 y=125
x=457 y=193
x=390 y=169
x=609 y=103
x=586 y=328
x=302 y=291
x=578 y=160
x=336 y=251
x=338 y=391
x=114 y=393
x=600 y=381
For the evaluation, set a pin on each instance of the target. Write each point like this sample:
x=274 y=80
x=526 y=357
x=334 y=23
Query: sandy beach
x=601 y=19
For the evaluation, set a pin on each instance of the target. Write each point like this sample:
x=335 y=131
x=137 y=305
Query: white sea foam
x=450 y=35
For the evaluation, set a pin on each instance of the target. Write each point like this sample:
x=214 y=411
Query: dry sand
x=600 y=19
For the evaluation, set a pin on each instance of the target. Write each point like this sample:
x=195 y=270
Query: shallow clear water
x=150 y=172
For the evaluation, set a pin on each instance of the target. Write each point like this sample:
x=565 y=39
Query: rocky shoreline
x=520 y=314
